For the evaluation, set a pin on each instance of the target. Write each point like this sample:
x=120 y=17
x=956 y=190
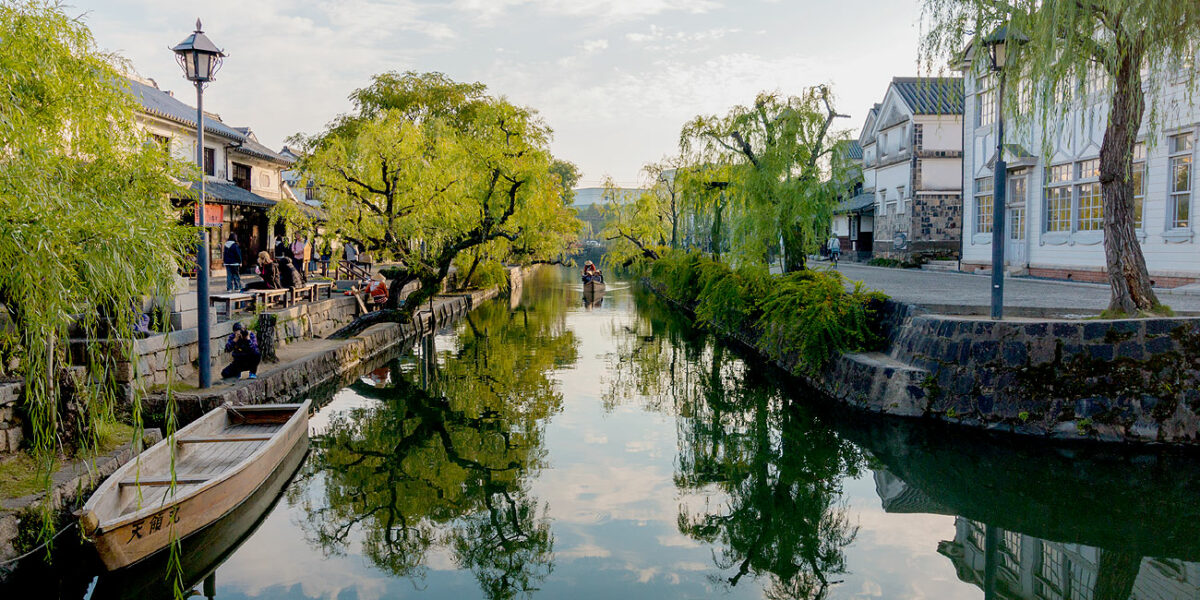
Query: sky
x=615 y=79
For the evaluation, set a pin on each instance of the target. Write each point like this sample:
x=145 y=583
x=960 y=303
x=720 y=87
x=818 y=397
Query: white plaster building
x=243 y=178
x=1054 y=215
x=912 y=148
x=1030 y=568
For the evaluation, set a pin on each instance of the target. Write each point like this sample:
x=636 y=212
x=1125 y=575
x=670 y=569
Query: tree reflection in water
x=442 y=461
x=780 y=467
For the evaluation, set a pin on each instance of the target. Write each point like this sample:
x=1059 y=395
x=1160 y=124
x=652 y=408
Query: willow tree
x=633 y=224
x=781 y=149
x=425 y=169
x=85 y=234
x=1135 y=46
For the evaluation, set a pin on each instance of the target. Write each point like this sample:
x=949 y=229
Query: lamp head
x=997 y=44
x=198 y=56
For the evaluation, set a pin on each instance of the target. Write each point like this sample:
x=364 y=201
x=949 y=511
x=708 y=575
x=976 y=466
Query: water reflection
x=1032 y=520
x=441 y=462
x=782 y=470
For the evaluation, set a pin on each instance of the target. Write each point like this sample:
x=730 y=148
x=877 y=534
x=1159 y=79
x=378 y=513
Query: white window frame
x=1180 y=157
x=1139 y=191
x=1090 y=179
x=985 y=109
x=984 y=187
x=1047 y=185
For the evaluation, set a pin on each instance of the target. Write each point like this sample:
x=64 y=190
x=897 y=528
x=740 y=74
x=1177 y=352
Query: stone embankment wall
x=1123 y=380
x=327 y=366
x=11 y=427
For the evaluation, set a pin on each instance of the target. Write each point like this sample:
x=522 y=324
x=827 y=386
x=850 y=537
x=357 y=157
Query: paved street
x=961 y=289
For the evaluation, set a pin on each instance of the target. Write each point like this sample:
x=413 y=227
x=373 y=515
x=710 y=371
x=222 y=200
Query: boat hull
x=130 y=542
x=593 y=287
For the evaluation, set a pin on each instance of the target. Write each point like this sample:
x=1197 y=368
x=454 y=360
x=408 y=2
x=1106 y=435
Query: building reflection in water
x=1012 y=565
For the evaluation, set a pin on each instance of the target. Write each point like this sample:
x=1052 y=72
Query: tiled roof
x=852 y=149
x=858 y=204
x=931 y=95
x=159 y=103
x=253 y=148
x=228 y=193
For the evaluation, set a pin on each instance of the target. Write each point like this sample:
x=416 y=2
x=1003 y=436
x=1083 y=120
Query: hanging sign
x=214 y=215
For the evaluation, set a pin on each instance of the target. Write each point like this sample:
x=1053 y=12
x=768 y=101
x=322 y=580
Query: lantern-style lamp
x=199 y=56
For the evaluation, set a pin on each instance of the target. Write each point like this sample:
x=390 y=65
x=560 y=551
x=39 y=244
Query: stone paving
x=962 y=289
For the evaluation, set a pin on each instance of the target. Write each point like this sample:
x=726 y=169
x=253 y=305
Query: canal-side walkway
x=947 y=289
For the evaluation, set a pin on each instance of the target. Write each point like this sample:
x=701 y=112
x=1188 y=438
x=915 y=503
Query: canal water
x=562 y=446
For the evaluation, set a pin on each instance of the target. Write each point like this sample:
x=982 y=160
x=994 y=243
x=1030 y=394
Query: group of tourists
x=282 y=268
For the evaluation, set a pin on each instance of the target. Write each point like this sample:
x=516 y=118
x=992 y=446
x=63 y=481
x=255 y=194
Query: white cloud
x=609 y=10
x=593 y=46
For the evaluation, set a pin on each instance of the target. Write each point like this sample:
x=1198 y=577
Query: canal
x=559 y=446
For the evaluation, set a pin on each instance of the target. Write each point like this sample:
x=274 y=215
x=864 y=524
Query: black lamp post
x=200 y=60
x=997 y=45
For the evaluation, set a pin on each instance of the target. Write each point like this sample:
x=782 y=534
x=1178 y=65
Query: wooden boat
x=593 y=287
x=204 y=551
x=220 y=460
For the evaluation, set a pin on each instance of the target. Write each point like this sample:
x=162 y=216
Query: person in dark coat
x=289 y=277
x=281 y=249
x=244 y=347
x=232 y=257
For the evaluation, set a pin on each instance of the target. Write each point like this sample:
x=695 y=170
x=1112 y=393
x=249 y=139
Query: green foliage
x=784 y=176
x=85 y=235
x=807 y=316
x=729 y=298
x=810 y=316
x=567 y=173
x=884 y=262
x=428 y=168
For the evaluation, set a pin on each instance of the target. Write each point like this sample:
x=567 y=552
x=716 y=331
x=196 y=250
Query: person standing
x=232 y=256
x=244 y=347
x=308 y=255
x=297 y=249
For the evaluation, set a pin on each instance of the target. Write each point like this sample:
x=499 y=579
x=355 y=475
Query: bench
x=322 y=286
x=231 y=301
x=180 y=479
x=307 y=292
x=277 y=297
x=223 y=437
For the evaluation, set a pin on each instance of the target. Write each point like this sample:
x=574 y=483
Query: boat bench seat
x=227 y=437
x=180 y=479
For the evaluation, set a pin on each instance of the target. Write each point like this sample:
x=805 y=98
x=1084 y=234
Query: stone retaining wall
x=1127 y=380
x=321 y=368
x=11 y=427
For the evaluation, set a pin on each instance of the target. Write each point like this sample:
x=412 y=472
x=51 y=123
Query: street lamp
x=996 y=44
x=200 y=60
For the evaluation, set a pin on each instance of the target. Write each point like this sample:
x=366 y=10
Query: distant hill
x=595 y=195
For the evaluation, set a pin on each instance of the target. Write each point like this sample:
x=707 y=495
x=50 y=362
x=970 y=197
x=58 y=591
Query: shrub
x=809 y=315
x=728 y=298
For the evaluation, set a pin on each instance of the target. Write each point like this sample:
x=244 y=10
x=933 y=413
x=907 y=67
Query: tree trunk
x=1116 y=574
x=265 y=331
x=466 y=281
x=793 y=248
x=1127 y=273
x=715 y=240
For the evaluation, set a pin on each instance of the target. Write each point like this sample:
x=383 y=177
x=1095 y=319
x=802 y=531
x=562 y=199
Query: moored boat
x=220 y=460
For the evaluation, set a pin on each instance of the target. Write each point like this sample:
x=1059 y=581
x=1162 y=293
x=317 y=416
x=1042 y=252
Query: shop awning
x=228 y=193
